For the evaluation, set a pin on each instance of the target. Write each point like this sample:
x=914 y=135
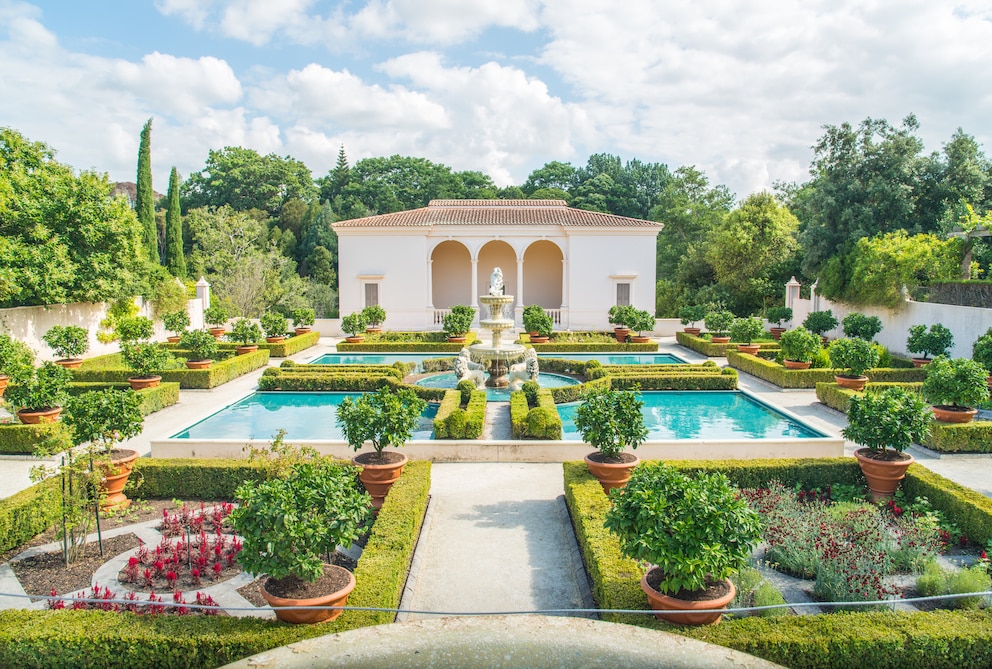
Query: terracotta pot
x=302 y=331
x=611 y=474
x=113 y=483
x=792 y=364
x=692 y=331
x=4 y=378
x=198 y=364
x=217 y=332
x=304 y=617
x=70 y=363
x=987 y=381
x=532 y=334
x=852 y=382
x=750 y=349
x=245 y=350
x=373 y=330
x=946 y=414
x=883 y=475
x=456 y=339
x=720 y=340
x=355 y=339
x=379 y=478
x=776 y=333
x=172 y=340
x=31 y=417
x=920 y=362
x=621 y=333
x=537 y=339
x=275 y=340
x=637 y=339
x=140 y=383
x=660 y=602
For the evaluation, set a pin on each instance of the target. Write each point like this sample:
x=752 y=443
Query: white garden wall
x=966 y=323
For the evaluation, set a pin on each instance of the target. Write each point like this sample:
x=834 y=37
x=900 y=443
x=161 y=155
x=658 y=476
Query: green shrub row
x=437 y=364
x=287 y=347
x=18 y=439
x=973 y=437
x=711 y=350
x=291 y=381
x=540 y=422
x=397 y=370
x=152 y=399
x=709 y=367
x=594 y=347
x=88 y=639
x=406 y=347
x=936 y=639
x=808 y=378
x=453 y=422
x=575 y=393
x=220 y=372
x=724 y=379
x=566 y=366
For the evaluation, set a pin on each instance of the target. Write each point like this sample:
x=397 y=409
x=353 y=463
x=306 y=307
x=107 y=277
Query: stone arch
x=543 y=269
x=498 y=253
x=451 y=275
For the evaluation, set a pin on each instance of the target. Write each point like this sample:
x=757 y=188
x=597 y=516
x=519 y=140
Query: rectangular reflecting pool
x=304 y=415
x=705 y=414
x=377 y=358
x=619 y=358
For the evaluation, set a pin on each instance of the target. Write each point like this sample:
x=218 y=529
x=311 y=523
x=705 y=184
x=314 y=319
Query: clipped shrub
x=718 y=322
x=933 y=342
x=68 y=341
x=861 y=326
x=981 y=351
x=800 y=345
x=957 y=382
x=820 y=322
x=530 y=389
x=854 y=356
x=778 y=315
x=746 y=330
x=466 y=388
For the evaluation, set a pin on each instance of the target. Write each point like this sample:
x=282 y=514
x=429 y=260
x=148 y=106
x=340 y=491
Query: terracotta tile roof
x=497 y=212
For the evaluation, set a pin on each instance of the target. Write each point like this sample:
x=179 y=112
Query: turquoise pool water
x=377 y=358
x=449 y=380
x=704 y=414
x=303 y=415
x=620 y=358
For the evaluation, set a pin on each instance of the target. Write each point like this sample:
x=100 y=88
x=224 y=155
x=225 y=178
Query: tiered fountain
x=497 y=354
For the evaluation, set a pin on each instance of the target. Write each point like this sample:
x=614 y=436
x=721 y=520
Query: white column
x=791 y=293
x=430 y=284
x=475 y=283
x=564 y=283
x=203 y=292
x=518 y=312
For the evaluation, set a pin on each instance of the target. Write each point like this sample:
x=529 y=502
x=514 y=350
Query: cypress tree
x=175 y=261
x=144 y=201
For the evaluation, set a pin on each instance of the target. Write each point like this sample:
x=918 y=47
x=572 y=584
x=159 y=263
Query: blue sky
x=741 y=90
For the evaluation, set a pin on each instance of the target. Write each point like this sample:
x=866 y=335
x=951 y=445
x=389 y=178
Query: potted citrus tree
x=799 y=347
x=690 y=315
x=69 y=342
x=130 y=329
x=354 y=325
x=175 y=322
x=954 y=387
x=718 y=323
x=201 y=347
x=275 y=326
x=611 y=421
x=853 y=357
x=458 y=322
x=778 y=315
x=933 y=342
x=640 y=321
x=145 y=358
x=885 y=424
x=303 y=319
x=861 y=326
x=981 y=352
x=619 y=317
x=39 y=396
x=288 y=523
x=102 y=419
x=383 y=418
x=245 y=333
x=539 y=324
x=744 y=331
x=530 y=313
x=695 y=530
x=216 y=318
x=16 y=361
x=374 y=316
x=820 y=323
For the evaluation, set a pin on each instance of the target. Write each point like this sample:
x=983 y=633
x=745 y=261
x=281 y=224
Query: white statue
x=465 y=369
x=523 y=371
x=496 y=282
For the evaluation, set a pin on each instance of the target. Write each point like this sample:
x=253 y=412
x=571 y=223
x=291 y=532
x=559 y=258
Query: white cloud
x=194 y=12
x=443 y=21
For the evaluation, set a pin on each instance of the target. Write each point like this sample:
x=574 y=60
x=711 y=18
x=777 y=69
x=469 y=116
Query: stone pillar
x=814 y=299
x=791 y=293
x=475 y=287
x=430 y=284
x=518 y=312
x=203 y=292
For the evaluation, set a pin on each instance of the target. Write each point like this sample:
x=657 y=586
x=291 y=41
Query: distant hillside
x=129 y=189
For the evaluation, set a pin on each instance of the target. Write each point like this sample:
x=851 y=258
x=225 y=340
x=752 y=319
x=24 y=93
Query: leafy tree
x=477 y=185
x=511 y=193
x=293 y=216
x=62 y=237
x=556 y=175
x=175 y=258
x=333 y=184
x=397 y=183
x=549 y=194
x=144 y=199
x=242 y=179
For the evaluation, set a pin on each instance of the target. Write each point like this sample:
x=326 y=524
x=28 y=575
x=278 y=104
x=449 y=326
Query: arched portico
x=451 y=275
x=543 y=274
x=496 y=253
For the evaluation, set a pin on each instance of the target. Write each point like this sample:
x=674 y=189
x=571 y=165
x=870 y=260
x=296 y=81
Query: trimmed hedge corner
x=20 y=439
x=152 y=399
x=711 y=350
x=287 y=347
x=453 y=422
x=540 y=422
x=88 y=638
x=808 y=378
x=110 y=369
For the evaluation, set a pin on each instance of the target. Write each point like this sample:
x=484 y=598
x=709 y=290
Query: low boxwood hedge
x=594 y=347
x=540 y=422
x=110 y=369
x=808 y=378
x=287 y=347
x=711 y=350
x=722 y=379
x=163 y=395
x=19 y=439
x=973 y=437
x=574 y=393
x=374 y=346
x=453 y=422
x=91 y=638
x=936 y=639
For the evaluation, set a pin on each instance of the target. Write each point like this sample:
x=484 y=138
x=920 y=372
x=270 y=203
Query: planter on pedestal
x=719 y=340
x=692 y=331
x=750 y=349
x=115 y=477
x=275 y=340
x=621 y=334
x=216 y=332
x=379 y=472
x=70 y=363
x=302 y=331
x=245 y=350
x=456 y=339
x=776 y=333
x=198 y=364
x=357 y=339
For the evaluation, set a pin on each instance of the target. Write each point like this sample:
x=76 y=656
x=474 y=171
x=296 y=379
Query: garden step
x=497 y=425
